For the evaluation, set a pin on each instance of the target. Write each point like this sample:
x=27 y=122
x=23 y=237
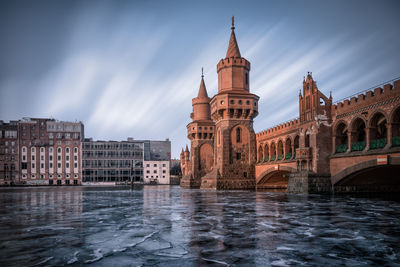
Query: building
x=50 y=151
x=156 y=172
x=112 y=161
x=352 y=145
x=124 y=161
x=9 y=153
x=223 y=142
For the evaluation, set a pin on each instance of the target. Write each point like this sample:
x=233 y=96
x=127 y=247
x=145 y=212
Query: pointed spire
x=186 y=149
x=202 y=90
x=182 y=151
x=233 y=48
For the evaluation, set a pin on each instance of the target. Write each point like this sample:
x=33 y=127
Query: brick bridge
x=348 y=146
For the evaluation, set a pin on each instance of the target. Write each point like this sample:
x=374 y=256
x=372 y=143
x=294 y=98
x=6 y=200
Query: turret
x=233 y=71
x=201 y=104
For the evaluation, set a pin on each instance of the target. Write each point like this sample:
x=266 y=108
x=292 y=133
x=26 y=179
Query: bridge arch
x=369 y=176
x=274 y=178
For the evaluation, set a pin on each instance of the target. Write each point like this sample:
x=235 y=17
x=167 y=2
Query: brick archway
x=366 y=169
x=274 y=177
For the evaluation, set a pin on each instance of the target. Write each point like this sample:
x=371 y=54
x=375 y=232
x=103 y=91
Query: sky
x=131 y=68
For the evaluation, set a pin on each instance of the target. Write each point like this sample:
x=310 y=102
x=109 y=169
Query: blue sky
x=131 y=68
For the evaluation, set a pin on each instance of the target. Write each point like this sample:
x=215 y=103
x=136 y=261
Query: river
x=170 y=226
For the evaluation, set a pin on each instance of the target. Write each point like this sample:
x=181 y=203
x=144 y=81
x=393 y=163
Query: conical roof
x=202 y=90
x=233 y=48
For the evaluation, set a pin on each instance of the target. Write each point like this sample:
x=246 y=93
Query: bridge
x=352 y=145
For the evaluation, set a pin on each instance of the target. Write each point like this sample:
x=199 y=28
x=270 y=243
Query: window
x=33 y=157
x=75 y=165
x=58 y=135
x=75 y=150
x=247 y=78
x=42 y=165
x=67 y=158
x=50 y=157
x=164 y=165
x=67 y=149
x=41 y=157
x=147 y=165
x=147 y=171
x=58 y=157
x=238 y=156
x=155 y=171
x=163 y=171
x=12 y=143
x=24 y=165
x=24 y=149
x=50 y=165
x=67 y=165
x=75 y=157
x=155 y=165
x=238 y=135
x=51 y=135
x=23 y=157
x=33 y=165
x=59 y=150
x=58 y=165
x=67 y=135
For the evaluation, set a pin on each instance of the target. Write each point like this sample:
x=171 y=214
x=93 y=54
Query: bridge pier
x=305 y=182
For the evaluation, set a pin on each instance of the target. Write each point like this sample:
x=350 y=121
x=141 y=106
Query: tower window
x=247 y=78
x=238 y=135
x=238 y=156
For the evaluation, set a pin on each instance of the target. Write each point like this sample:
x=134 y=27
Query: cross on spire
x=233 y=23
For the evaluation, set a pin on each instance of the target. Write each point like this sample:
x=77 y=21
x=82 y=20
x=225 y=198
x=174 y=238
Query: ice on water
x=170 y=226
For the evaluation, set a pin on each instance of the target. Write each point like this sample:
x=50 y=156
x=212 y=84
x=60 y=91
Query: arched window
x=247 y=78
x=75 y=150
x=307 y=141
x=59 y=150
x=238 y=135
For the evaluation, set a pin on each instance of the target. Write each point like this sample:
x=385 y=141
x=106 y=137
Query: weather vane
x=202 y=75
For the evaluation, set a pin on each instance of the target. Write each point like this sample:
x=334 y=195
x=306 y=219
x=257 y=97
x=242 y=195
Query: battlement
x=233 y=61
x=279 y=129
x=366 y=97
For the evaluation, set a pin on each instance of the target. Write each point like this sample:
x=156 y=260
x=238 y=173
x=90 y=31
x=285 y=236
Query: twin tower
x=223 y=142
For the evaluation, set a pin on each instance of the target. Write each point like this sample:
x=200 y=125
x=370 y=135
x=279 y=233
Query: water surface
x=169 y=226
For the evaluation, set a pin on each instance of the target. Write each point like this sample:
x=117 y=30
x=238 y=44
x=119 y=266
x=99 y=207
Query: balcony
x=341 y=148
x=378 y=143
x=358 y=146
x=303 y=153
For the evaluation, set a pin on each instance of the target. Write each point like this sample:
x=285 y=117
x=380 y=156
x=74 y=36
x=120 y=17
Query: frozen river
x=169 y=226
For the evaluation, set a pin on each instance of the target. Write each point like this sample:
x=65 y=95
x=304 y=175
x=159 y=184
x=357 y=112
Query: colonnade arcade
x=377 y=131
x=280 y=150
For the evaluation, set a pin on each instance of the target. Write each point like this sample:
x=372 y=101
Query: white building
x=156 y=172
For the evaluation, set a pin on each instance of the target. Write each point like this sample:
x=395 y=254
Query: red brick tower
x=233 y=110
x=201 y=135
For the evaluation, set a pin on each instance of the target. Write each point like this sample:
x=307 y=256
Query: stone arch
x=340 y=131
x=307 y=138
x=358 y=135
x=240 y=135
x=274 y=178
x=206 y=157
x=288 y=148
x=296 y=143
x=280 y=150
x=266 y=152
x=260 y=153
x=377 y=129
x=369 y=176
x=273 y=151
x=394 y=120
x=374 y=114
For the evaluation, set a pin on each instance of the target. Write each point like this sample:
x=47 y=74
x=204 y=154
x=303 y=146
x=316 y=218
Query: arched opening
x=383 y=178
x=238 y=135
x=378 y=131
x=288 y=149
x=206 y=157
x=358 y=140
x=260 y=154
x=280 y=150
x=266 y=152
x=273 y=151
x=276 y=180
x=296 y=144
x=341 y=138
x=395 y=121
x=307 y=140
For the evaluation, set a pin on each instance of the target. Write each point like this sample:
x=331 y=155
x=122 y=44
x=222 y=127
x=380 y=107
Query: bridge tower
x=233 y=109
x=201 y=135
